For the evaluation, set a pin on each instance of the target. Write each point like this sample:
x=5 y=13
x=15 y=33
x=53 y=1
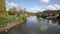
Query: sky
x=34 y=5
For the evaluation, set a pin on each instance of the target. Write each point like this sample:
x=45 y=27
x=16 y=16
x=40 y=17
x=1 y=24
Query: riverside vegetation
x=10 y=17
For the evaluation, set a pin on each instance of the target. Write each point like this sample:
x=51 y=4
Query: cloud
x=45 y=1
x=35 y=9
x=12 y=4
x=7 y=2
x=53 y=7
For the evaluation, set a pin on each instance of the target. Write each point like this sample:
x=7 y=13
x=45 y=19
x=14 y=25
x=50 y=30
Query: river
x=36 y=25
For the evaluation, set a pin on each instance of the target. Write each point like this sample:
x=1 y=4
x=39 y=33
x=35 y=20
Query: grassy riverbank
x=6 y=19
x=10 y=21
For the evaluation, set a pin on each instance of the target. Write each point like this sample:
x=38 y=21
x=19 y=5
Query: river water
x=36 y=25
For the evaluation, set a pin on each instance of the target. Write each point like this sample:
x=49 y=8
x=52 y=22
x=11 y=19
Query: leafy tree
x=12 y=11
x=22 y=11
x=2 y=8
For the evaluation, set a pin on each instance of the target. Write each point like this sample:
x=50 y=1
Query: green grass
x=9 y=19
x=6 y=19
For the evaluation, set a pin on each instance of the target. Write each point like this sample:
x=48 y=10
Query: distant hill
x=51 y=11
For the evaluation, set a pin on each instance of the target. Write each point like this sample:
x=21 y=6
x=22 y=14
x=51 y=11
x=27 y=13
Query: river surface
x=36 y=25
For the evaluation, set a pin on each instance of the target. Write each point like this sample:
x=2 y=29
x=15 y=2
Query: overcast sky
x=34 y=5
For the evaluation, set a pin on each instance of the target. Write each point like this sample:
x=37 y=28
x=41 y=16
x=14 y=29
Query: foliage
x=2 y=8
x=12 y=11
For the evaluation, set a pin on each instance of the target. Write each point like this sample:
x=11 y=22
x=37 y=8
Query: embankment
x=11 y=25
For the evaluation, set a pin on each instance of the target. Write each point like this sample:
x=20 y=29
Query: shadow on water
x=13 y=29
x=58 y=22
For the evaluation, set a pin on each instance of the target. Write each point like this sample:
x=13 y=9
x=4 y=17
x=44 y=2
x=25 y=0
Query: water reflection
x=32 y=19
x=36 y=25
x=58 y=22
x=52 y=22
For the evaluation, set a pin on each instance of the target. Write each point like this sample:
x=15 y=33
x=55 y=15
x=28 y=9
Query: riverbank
x=12 y=24
x=35 y=25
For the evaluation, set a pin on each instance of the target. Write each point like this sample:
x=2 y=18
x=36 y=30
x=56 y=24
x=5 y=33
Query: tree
x=13 y=11
x=2 y=8
x=22 y=11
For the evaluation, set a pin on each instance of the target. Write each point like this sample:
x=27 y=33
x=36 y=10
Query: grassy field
x=6 y=19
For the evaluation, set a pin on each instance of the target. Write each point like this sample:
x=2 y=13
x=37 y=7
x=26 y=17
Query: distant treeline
x=49 y=13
